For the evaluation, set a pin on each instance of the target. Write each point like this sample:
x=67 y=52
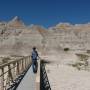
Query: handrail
x=6 y=64
x=11 y=70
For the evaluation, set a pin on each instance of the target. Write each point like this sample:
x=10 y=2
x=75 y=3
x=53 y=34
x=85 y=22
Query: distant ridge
x=69 y=26
x=16 y=38
x=16 y=22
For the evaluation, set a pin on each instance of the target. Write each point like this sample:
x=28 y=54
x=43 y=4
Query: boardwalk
x=28 y=82
x=17 y=68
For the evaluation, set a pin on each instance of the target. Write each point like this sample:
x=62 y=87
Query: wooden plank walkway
x=28 y=82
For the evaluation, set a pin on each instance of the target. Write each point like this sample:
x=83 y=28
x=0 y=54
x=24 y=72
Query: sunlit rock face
x=16 y=22
x=72 y=36
x=16 y=38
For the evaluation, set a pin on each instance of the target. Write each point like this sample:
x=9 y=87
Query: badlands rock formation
x=16 y=38
x=72 y=36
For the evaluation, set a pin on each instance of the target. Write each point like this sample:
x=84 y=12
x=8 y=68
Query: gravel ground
x=64 y=77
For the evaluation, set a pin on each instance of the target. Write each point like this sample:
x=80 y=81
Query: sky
x=46 y=12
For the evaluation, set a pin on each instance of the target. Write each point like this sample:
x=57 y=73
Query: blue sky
x=46 y=12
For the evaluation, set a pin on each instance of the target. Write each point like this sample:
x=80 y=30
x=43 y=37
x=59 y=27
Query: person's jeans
x=34 y=65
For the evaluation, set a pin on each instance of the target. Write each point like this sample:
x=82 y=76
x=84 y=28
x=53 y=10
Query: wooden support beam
x=2 y=79
x=17 y=68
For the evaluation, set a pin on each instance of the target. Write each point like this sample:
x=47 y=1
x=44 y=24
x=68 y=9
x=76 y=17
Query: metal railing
x=9 y=72
x=44 y=82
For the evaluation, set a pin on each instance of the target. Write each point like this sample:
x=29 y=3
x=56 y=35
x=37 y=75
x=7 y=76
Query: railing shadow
x=44 y=82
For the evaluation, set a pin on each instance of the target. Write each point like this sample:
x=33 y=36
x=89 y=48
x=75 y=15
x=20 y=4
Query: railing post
x=10 y=74
x=2 y=79
x=14 y=71
x=25 y=63
x=17 y=68
x=22 y=65
x=29 y=59
x=20 y=70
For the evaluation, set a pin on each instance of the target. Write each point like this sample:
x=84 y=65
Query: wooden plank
x=37 y=87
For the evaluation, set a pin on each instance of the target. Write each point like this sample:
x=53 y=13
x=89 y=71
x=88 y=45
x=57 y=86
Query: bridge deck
x=28 y=82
